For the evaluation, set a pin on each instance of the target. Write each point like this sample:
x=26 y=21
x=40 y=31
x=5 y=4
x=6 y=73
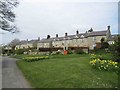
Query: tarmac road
x=12 y=77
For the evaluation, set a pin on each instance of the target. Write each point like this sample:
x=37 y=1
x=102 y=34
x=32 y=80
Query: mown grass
x=70 y=71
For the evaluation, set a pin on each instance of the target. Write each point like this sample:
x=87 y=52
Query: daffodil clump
x=31 y=59
x=94 y=56
x=107 y=65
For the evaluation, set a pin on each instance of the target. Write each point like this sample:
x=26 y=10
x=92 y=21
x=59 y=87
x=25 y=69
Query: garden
x=99 y=69
x=69 y=71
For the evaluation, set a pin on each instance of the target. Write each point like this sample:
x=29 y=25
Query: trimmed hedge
x=32 y=59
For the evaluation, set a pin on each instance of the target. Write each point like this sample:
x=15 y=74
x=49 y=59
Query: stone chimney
x=56 y=35
x=48 y=36
x=38 y=38
x=77 y=32
x=108 y=27
x=65 y=34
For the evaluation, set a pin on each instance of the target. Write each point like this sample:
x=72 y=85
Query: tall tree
x=7 y=16
x=91 y=30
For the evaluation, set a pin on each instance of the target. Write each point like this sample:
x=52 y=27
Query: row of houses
x=86 y=41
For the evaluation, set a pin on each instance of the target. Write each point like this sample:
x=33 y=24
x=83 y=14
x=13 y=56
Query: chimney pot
x=56 y=35
x=77 y=32
x=48 y=36
x=108 y=27
x=38 y=38
x=65 y=34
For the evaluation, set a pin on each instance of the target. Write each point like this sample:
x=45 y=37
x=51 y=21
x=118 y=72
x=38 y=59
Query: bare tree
x=7 y=16
x=13 y=43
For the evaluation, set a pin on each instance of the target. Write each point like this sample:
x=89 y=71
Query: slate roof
x=81 y=35
x=69 y=37
x=26 y=42
x=97 y=33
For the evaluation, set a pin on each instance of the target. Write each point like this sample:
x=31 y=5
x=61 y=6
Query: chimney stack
x=108 y=28
x=77 y=32
x=48 y=36
x=38 y=38
x=56 y=35
x=65 y=34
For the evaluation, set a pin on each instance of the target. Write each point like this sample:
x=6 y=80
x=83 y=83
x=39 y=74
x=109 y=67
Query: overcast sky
x=38 y=18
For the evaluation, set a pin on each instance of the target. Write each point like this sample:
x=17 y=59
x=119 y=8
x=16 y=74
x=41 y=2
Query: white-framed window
x=94 y=38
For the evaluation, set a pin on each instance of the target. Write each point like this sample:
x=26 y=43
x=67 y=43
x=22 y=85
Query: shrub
x=57 y=53
x=32 y=59
x=115 y=49
x=19 y=51
x=104 y=45
x=70 y=51
x=94 y=56
x=79 y=51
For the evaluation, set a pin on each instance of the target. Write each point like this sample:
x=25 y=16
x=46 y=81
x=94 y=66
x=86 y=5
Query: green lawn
x=71 y=71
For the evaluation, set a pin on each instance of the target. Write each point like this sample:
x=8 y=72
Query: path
x=12 y=77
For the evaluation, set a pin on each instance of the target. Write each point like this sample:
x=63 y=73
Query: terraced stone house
x=85 y=41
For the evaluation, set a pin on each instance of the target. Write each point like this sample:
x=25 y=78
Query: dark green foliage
x=57 y=53
x=33 y=59
x=115 y=49
x=20 y=51
x=3 y=50
x=70 y=51
x=104 y=45
x=91 y=30
x=79 y=51
x=102 y=39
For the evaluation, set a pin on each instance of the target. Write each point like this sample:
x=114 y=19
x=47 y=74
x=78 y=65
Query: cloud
x=37 y=20
x=58 y=1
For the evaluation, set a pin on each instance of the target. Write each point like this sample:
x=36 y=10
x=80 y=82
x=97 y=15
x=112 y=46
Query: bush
x=104 y=45
x=115 y=49
x=94 y=56
x=19 y=51
x=32 y=59
x=57 y=53
x=70 y=51
x=79 y=51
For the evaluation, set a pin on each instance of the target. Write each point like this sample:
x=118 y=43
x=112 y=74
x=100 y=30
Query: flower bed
x=32 y=59
x=107 y=65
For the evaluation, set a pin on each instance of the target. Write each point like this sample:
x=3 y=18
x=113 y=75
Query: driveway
x=12 y=77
